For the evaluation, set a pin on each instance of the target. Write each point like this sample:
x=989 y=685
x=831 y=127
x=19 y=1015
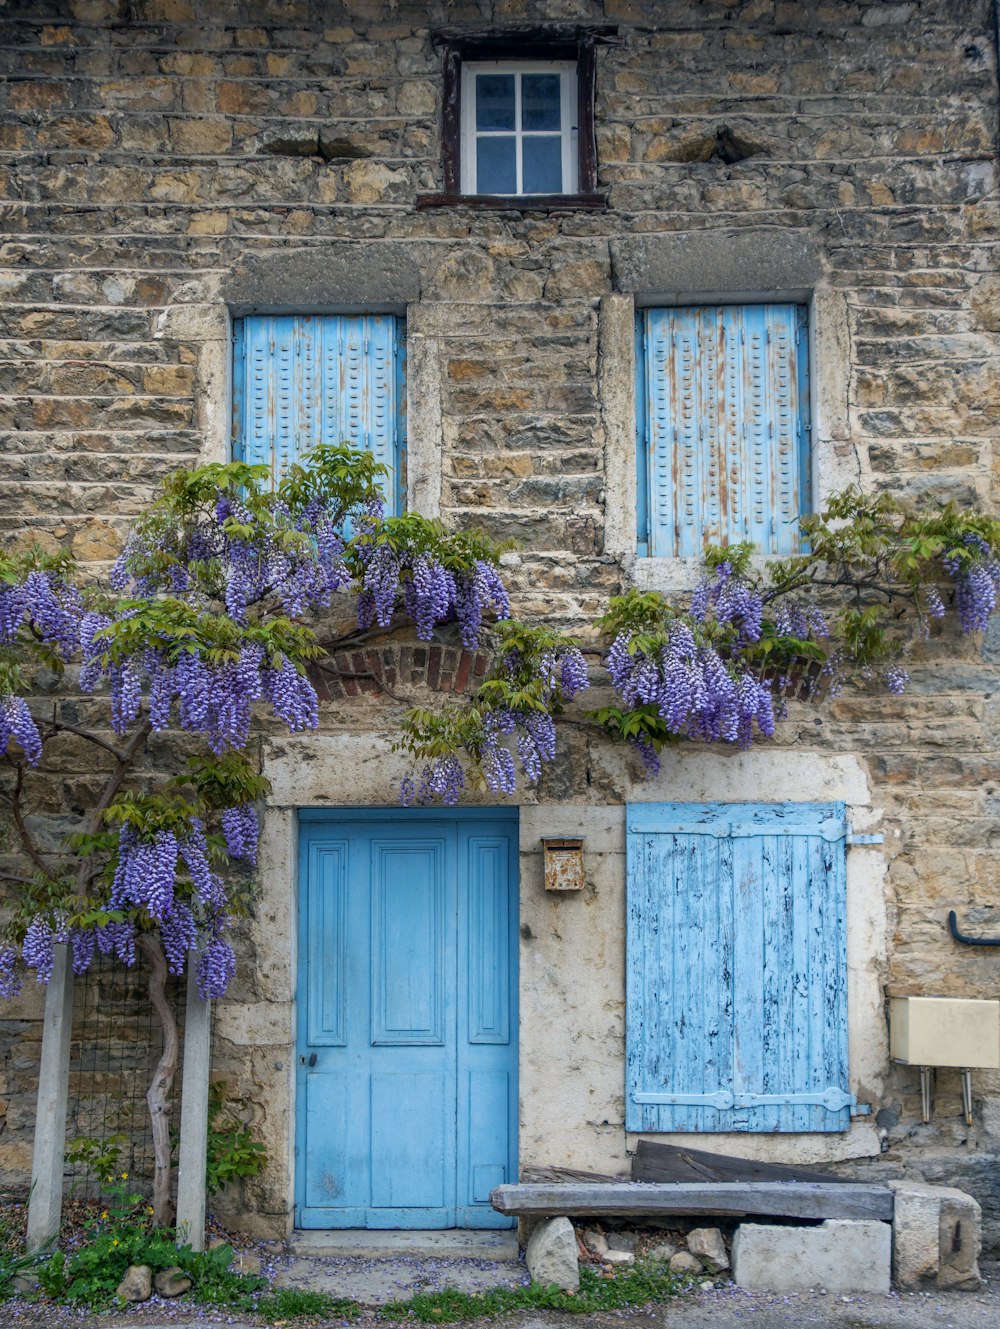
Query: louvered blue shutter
x=304 y=379
x=723 y=418
x=736 y=1003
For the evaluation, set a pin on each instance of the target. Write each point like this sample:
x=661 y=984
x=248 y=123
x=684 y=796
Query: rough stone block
x=137 y=1285
x=707 y=1244
x=551 y=1255
x=172 y=1282
x=936 y=1237
x=842 y=1255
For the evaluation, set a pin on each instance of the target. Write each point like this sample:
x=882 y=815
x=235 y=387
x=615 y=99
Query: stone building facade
x=168 y=166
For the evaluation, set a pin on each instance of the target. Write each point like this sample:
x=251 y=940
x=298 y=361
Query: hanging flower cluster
x=511 y=724
x=47 y=605
x=44 y=609
x=213 y=700
x=431 y=593
x=243 y=555
x=697 y=694
x=687 y=670
x=976 y=576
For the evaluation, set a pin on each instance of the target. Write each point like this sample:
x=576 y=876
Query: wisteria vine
x=217 y=608
x=510 y=725
x=212 y=613
x=721 y=667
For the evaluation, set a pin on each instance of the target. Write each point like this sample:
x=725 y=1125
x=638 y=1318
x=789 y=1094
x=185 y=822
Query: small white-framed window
x=519 y=130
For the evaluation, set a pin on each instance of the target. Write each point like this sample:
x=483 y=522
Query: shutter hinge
x=832 y=1099
x=861 y=1110
x=877 y=838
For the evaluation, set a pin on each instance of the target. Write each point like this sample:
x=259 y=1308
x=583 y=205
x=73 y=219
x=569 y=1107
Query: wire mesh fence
x=116 y=1043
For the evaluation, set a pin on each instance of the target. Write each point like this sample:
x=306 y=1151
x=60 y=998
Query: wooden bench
x=733 y=1199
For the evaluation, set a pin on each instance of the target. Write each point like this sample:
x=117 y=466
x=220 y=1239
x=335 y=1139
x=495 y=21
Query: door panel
x=407 y=1068
x=408 y=941
x=409 y=1128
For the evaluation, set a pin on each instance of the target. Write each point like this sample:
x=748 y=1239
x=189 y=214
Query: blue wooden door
x=407 y=1055
x=736 y=1006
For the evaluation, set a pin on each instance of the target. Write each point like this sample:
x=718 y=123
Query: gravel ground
x=722 y=1307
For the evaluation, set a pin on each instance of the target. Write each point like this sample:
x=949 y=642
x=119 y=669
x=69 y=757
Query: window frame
x=568 y=72
x=522 y=44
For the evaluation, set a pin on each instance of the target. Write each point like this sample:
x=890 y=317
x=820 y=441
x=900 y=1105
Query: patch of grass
x=289 y=1303
x=638 y=1285
x=214 y=1283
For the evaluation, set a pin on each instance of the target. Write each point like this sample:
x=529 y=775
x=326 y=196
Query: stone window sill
x=673 y=576
x=516 y=203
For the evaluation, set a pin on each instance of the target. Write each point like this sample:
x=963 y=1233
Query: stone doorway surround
x=572 y=959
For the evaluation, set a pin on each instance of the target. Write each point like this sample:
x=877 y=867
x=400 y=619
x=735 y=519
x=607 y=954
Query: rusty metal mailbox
x=563 y=865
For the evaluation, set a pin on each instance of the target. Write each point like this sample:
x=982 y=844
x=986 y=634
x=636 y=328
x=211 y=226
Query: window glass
x=518 y=128
x=497 y=164
x=542 y=158
x=540 y=101
x=495 y=101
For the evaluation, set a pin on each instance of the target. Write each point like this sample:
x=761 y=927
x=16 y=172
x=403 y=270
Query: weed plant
x=294 y=1303
x=645 y=1282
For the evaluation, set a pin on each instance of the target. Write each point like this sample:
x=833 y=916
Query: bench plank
x=735 y=1199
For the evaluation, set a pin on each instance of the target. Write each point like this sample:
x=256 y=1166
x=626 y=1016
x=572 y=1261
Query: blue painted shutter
x=723 y=420
x=304 y=379
x=736 y=1007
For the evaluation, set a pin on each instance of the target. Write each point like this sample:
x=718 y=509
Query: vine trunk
x=158 y=1094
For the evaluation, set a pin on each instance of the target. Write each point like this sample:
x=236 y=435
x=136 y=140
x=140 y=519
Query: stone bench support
x=936 y=1237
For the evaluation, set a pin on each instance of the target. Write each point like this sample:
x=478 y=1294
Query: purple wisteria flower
x=18 y=724
x=10 y=972
x=239 y=826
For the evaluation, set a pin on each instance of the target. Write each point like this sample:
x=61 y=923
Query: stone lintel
x=716 y=262
x=341 y=277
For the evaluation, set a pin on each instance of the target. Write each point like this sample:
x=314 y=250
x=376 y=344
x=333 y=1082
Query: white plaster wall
x=572 y=959
x=573 y=962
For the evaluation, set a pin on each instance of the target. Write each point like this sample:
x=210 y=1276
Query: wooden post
x=194 y=1116
x=48 y=1159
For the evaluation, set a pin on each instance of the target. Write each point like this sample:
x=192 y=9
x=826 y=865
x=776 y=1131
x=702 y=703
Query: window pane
x=496 y=165
x=540 y=102
x=542 y=164
x=495 y=101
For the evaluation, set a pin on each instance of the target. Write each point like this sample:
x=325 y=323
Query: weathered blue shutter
x=304 y=379
x=723 y=419
x=736 y=1006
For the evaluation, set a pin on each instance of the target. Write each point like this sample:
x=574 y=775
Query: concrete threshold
x=370 y=1244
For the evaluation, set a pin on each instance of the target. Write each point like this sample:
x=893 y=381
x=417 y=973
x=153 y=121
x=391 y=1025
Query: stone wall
x=158 y=159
